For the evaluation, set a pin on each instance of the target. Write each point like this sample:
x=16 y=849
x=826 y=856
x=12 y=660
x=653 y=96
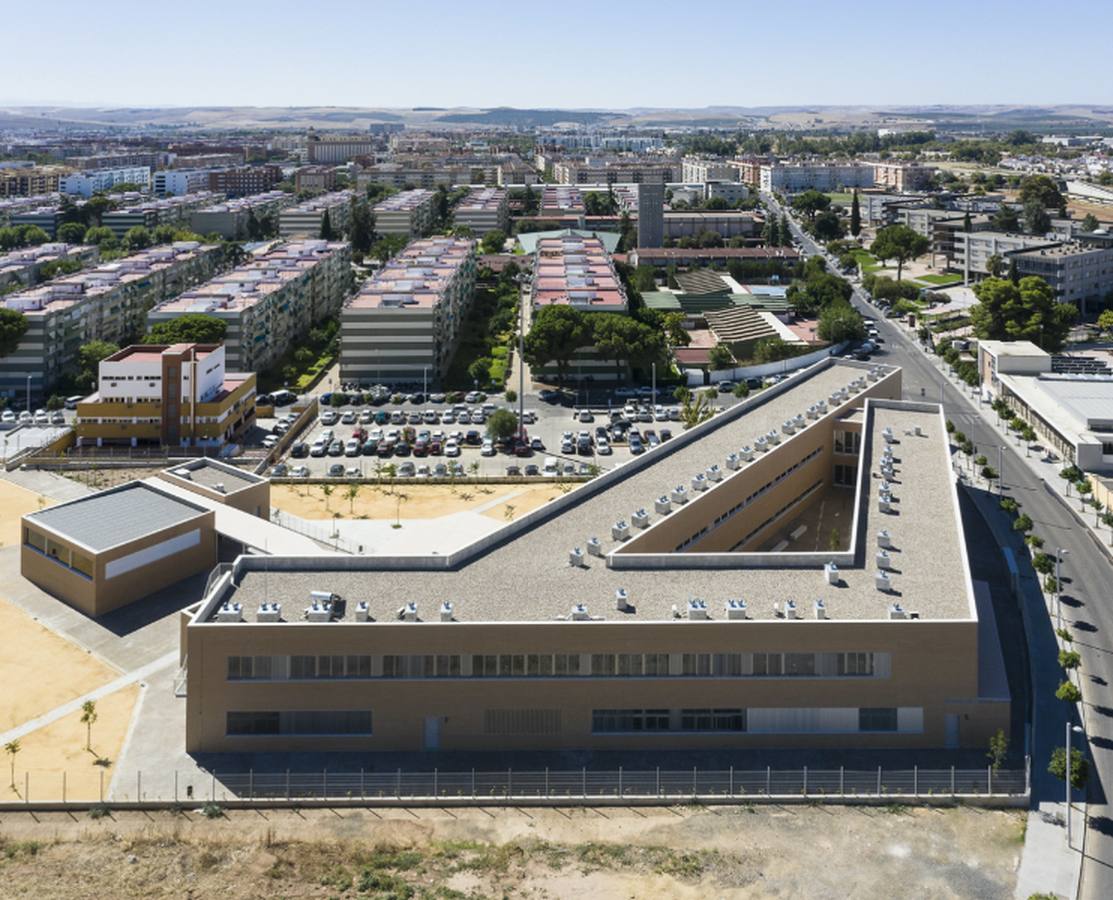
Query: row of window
x=344 y=722
x=560 y=665
x=610 y=721
x=792 y=504
x=848 y=441
x=765 y=488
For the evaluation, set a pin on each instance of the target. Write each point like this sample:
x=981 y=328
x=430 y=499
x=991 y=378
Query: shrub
x=1051 y=584
x=1065 y=635
x=1043 y=563
x=212 y=811
x=1069 y=692
x=1079 y=766
x=1033 y=540
x=1070 y=659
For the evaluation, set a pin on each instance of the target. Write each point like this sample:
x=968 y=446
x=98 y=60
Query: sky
x=604 y=54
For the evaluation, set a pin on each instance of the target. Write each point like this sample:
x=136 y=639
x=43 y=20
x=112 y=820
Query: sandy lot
x=15 y=502
x=60 y=747
x=681 y=852
x=420 y=501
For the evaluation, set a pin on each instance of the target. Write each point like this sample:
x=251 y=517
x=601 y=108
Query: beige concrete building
x=483 y=210
x=686 y=599
x=902 y=176
x=307 y=218
x=409 y=213
x=109 y=549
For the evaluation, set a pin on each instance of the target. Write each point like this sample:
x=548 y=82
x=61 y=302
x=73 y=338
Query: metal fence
x=560 y=786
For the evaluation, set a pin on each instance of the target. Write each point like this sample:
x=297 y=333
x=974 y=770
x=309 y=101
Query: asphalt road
x=1087 y=613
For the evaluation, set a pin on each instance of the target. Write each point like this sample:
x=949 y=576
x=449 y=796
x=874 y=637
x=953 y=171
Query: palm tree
x=88 y=717
x=12 y=748
x=695 y=410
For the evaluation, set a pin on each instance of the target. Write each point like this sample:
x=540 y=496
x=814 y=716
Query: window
x=247 y=668
x=521 y=721
x=877 y=718
x=616 y=720
x=847 y=441
x=241 y=723
x=800 y=664
x=656 y=664
x=844 y=475
x=713 y=720
x=303 y=667
x=855 y=663
x=696 y=664
x=767 y=664
x=602 y=664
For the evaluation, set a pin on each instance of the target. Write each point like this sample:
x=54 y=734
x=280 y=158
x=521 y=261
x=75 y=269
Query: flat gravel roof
x=110 y=518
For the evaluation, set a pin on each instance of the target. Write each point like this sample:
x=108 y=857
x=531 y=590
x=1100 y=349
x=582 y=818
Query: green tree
x=644 y=279
x=720 y=357
x=840 y=322
x=191 y=328
x=555 y=334
x=493 y=241
x=89 y=358
x=137 y=238
x=1105 y=320
x=1040 y=189
x=1079 y=766
x=362 y=228
x=502 y=424
x=827 y=226
x=1005 y=219
x=899 y=242
x=855 y=215
x=71 y=233
x=1068 y=691
x=998 y=750
x=967 y=222
x=811 y=202
x=785 y=232
x=480 y=370
x=772 y=349
x=741 y=390
x=625 y=340
x=103 y=237
x=12 y=748
x=995 y=265
x=13 y=325
x=88 y=719
x=326 y=227
x=1036 y=219
x=1021 y=312
x=1090 y=223
x=673 y=326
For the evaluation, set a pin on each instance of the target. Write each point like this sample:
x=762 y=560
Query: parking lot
x=422 y=437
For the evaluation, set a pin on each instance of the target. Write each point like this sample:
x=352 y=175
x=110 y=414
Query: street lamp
x=425 y=380
x=1077 y=729
x=28 y=393
x=1001 y=469
x=1059 y=554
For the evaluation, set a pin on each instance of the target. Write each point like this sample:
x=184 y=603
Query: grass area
x=866 y=260
x=938 y=279
x=841 y=197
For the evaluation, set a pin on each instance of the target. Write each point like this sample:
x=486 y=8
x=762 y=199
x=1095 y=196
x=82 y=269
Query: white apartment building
x=484 y=210
x=792 y=178
x=902 y=175
x=698 y=170
x=1079 y=273
x=974 y=249
x=405 y=323
x=305 y=219
x=409 y=213
x=180 y=181
x=85 y=184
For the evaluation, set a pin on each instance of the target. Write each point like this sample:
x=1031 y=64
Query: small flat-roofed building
x=222 y=483
x=109 y=549
x=409 y=213
x=687 y=599
x=176 y=395
x=483 y=210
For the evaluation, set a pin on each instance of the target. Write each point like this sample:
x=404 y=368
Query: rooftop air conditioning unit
x=622 y=600
x=662 y=504
x=747 y=452
x=834 y=398
x=831 y=573
x=679 y=494
x=641 y=518
x=761 y=444
x=790 y=610
x=579 y=613
x=883 y=504
x=887 y=433
x=576 y=557
x=884 y=539
x=896 y=611
x=874 y=374
x=699 y=482
x=886 y=488
x=820 y=609
x=821 y=406
x=884 y=561
x=773 y=437
x=363 y=612
x=219 y=486
x=594 y=548
x=697 y=609
x=318 y=612
x=408 y=613
x=788 y=426
x=230 y=612
x=882 y=581
x=714 y=473
x=733 y=462
x=620 y=530
x=736 y=608
x=323 y=597
x=813 y=413
x=446 y=611
x=269 y=612
x=798 y=420
x=918 y=431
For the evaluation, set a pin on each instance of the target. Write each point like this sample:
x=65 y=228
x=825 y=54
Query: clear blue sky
x=605 y=53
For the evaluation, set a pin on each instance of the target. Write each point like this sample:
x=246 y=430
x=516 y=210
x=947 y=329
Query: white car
x=25 y=416
x=41 y=418
x=329 y=417
x=270 y=440
x=488 y=449
x=451 y=449
x=603 y=446
x=349 y=418
x=529 y=417
x=471 y=397
x=7 y=416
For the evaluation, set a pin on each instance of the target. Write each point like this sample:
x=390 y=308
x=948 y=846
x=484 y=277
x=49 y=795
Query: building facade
x=792 y=178
x=409 y=213
x=85 y=184
x=231 y=219
x=483 y=210
x=306 y=219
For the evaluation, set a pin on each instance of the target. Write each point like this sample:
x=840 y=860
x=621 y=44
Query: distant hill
x=528 y=118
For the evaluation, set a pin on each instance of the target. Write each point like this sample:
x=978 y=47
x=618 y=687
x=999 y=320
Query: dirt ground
x=422 y=501
x=60 y=747
x=15 y=502
x=659 y=852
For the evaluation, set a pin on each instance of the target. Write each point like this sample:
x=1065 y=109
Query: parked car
x=725 y=387
x=536 y=443
x=665 y=434
x=336 y=449
x=451 y=448
x=279 y=470
x=531 y=470
x=353 y=447
x=636 y=445
x=7 y=416
x=299 y=472
x=336 y=470
x=56 y=418
x=405 y=470
x=488 y=449
x=603 y=446
x=651 y=438
x=270 y=441
x=513 y=470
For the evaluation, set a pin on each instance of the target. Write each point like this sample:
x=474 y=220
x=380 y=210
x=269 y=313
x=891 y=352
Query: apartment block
x=306 y=218
x=207 y=160
x=516 y=173
x=242 y=181
x=567 y=171
x=85 y=184
x=180 y=181
x=151 y=213
x=151 y=159
x=30 y=182
x=727 y=223
x=409 y=213
x=24 y=266
x=404 y=324
x=108 y=302
x=700 y=623
x=792 y=178
x=177 y=395
x=338 y=150
x=315 y=179
x=749 y=170
x=483 y=210
x=698 y=170
x=14 y=206
x=1079 y=273
x=651 y=214
x=561 y=200
x=902 y=176
x=270 y=302
x=230 y=218
x=973 y=250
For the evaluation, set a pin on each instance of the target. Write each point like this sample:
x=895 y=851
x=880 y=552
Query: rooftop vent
x=820 y=609
x=714 y=473
x=831 y=573
x=882 y=581
x=887 y=433
x=622 y=600
x=918 y=431
x=736 y=608
x=679 y=494
x=408 y=613
x=788 y=426
x=790 y=610
x=594 y=547
x=834 y=398
x=620 y=530
x=798 y=420
x=230 y=612
x=269 y=612
x=662 y=504
x=641 y=518
x=896 y=611
x=363 y=612
x=761 y=444
x=875 y=374
x=697 y=609
x=579 y=613
x=446 y=611
x=318 y=611
x=813 y=412
x=219 y=486
x=821 y=406
x=699 y=482
x=883 y=504
x=773 y=437
x=747 y=452
x=576 y=557
x=884 y=561
x=884 y=539
x=733 y=462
